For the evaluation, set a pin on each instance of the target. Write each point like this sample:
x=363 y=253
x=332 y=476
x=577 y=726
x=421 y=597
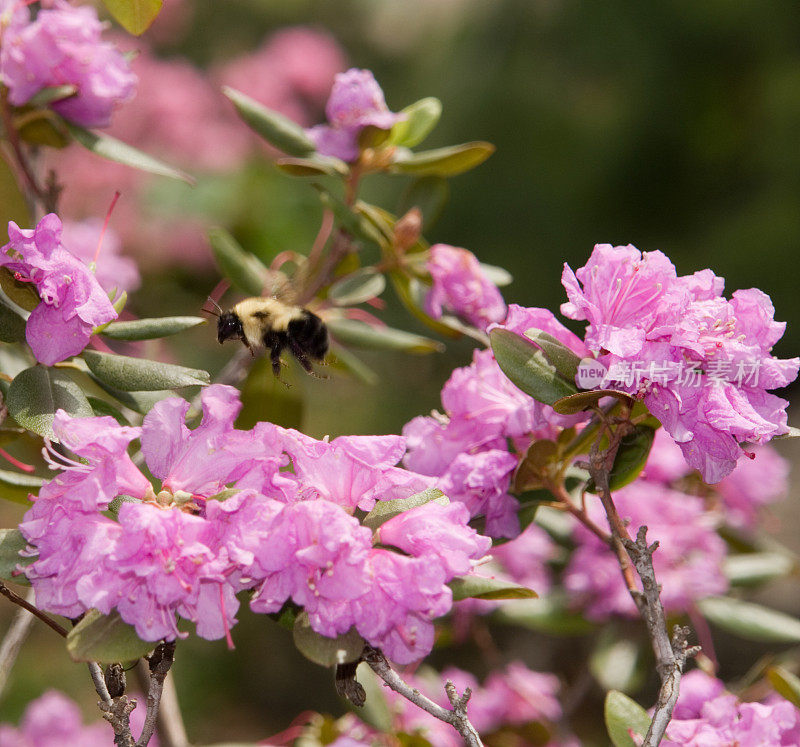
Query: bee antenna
x=211 y=311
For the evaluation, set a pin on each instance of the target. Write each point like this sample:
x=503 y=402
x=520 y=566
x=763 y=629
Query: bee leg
x=302 y=358
x=275 y=358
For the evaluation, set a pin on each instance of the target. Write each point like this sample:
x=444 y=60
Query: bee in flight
x=275 y=325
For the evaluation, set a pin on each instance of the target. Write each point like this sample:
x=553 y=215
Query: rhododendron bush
x=598 y=478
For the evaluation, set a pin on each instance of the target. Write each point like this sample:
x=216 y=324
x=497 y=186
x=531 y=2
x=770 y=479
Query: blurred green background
x=671 y=125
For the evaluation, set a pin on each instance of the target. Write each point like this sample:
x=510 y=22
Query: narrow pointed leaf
x=18 y=486
x=312 y=167
x=151 y=329
x=134 y=15
x=141 y=402
x=326 y=652
x=37 y=392
x=385 y=510
x=585 y=400
x=51 y=94
x=565 y=361
x=112 y=149
x=450 y=161
x=343 y=360
x=101 y=408
x=141 y=375
x=548 y=614
x=624 y=715
x=11 y=544
x=498 y=275
x=785 y=684
x=358 y=287
x=749 y=569
x=528 y=368
x=421 y=117
x=751 y=621
x=480 y=587
x=243 y=269
x=106 y=639
x=274 y=127
x=360 y=334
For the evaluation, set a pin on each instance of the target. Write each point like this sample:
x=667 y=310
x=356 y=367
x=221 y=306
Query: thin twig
x=457 y=718
x=10 y=595
x=99 y=680
x=671 y=656
x=13 y=640
x=160 y=662
x=171 y=730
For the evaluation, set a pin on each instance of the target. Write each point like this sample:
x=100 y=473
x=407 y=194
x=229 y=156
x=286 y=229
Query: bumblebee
x=275 y=325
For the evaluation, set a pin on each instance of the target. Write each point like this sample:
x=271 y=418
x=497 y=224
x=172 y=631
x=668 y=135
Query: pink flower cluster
x=53 y=720
x=356 y=102
x=703 y=363
x=288 y=533
x=63 y=46
x=707 y=716
x=467 y=447
x=72 y=301
x=460 y=285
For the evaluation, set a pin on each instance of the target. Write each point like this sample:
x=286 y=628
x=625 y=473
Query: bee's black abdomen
x=309 y=334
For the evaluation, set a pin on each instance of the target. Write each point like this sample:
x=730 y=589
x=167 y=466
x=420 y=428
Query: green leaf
x=275 y=128
x=11 y=544
x=42 y=127
x=750 y=621
x=106 y=639
x=112 y=149
x=37 y=392
x=22 y=294
x=12 y=326
x=360 y=334
x=141 y=402
x=312 y=167
x=242 y=268
x=343 y=360
x=326 y=651
x=134 y=16
x=151 y=329
x=359 y=287
x=421 y=117
x=785 y=683
x=564 y=360
x=409 y=292
x=528 y=368
x=139 y=374
x=624 y=715
x=385 y=510
x=498 y=275
x=630 y=458
x=535 y=467
x=753 y=568
x=585 y=400
x=429 y=194
x=52 y=94
x=450 y=161
x=480 y=587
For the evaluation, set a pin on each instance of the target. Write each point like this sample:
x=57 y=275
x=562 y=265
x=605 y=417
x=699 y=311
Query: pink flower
x=688 y=563
x=706 y=715
x=73 y=303
x=460 y=285
x=63 y=46
x=352 y=470
x=315 y=554
x=356 y=102
x=439 y=533
x=621 y=293
x=404 y=595
x=165 y=562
